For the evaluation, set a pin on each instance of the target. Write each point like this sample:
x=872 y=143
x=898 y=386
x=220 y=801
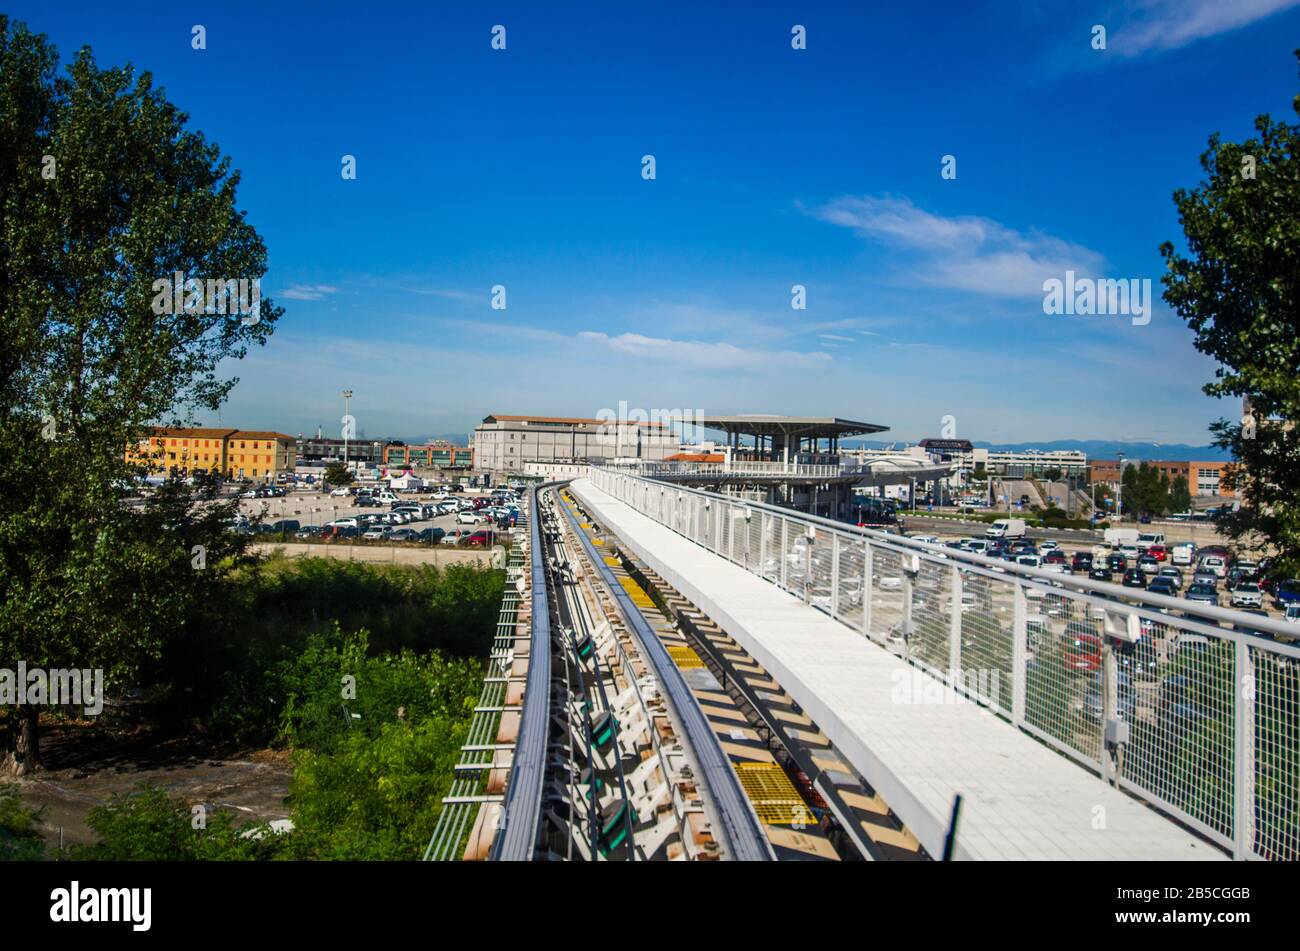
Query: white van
x=1182 y=554
x=1006 y=528
x=1147 y=539
x=1214 y=563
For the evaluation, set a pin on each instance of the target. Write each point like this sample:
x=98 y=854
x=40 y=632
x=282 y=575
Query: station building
x=505 y=443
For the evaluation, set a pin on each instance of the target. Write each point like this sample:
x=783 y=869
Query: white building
x=504 y=443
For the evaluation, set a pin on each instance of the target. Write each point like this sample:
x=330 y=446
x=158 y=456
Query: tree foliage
x=1236 y=287
x=103 y=191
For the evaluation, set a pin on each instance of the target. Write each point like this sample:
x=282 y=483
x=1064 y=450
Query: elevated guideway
x=915 y=739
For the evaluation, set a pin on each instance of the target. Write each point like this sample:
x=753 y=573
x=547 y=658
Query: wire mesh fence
x=1195 y=712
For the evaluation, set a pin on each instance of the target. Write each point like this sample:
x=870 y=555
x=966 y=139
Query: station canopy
x=787 y=428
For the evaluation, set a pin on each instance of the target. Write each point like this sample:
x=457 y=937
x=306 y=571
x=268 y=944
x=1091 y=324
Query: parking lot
x=316 y=508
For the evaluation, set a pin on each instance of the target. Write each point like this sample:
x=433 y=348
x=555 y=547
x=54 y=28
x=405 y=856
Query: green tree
x=337 y=474
x=1236 y=287
x=104 y=192
x=1180 y=496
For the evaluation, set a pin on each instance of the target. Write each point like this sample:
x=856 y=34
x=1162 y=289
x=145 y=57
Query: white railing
x=1158 y=696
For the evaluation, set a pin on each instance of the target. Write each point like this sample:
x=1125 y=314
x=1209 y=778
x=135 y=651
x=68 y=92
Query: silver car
x=1247 y=595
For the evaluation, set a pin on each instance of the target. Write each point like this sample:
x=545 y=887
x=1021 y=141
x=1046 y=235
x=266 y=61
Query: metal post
x=1019 y=662
x=866 y=587
x=1243 y=803
x=835 y=574
x=785 y=549
x=954 y=631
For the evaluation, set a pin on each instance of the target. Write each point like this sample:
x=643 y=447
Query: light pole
x=1119 y=489
x=347 y=397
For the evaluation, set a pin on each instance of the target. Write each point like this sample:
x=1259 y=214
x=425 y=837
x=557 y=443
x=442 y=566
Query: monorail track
x=620 y=732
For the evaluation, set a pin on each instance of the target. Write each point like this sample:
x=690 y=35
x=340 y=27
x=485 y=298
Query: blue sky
x=775 y=167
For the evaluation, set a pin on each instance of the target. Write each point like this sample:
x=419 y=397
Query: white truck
x=1183 y=554
x=1006 y=528
x=1147 y=539
x=1115 y=537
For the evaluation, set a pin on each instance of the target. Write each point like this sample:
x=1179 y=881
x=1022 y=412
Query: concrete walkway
x=1020 y=799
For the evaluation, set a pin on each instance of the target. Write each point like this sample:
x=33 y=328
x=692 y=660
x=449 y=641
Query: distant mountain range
x=1100 y=449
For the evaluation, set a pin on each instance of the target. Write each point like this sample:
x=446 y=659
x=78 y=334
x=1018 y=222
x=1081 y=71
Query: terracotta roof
x=696 y=457
x=201 y=432
x=205 y=432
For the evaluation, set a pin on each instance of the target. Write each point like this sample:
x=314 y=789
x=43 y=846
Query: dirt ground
x=86 y=764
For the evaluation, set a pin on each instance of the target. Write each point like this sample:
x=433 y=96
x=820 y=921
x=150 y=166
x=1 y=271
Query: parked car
x=339 y=493
x=1208 y=578
x=1082 y=561
x=454 y=536
x=1148 y=564
x=431 y=536
x=1163 y=586
x=1173 y=574
x=1117 y=562
x=1216 y=563
x=375 y=533
x=285 y=526
x=1135 y=578
x=1083 y=653
x=1125 y=699
x=403 y=535
x=480 y=539
x=1099 y=571
x=308 y=531
x=1247 y=595
x=468 y=518
x=1202 y=593
x=1288 y=592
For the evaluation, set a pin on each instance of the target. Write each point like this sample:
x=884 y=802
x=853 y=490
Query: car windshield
x=1201 y=589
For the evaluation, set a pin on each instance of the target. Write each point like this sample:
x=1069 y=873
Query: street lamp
x=1119 y=489
x=347 y=396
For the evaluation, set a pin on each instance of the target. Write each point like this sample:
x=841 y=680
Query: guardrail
x=1153 y=694
x=521 y=810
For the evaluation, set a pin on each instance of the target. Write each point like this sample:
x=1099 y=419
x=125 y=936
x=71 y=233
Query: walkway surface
x=1020 y=800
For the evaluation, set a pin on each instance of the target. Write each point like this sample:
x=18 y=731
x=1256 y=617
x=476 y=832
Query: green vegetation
x=337 y=475
x=369 y=673
x=1238 y=289
x=129 y=197
x=20 y=834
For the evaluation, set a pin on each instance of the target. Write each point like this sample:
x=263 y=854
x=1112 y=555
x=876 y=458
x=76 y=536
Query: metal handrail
x=1250 y=687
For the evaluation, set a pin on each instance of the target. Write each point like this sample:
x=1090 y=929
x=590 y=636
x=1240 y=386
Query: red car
x=478 y=540
x=1083 y=654
x=1054 y=557
x=1158 y=552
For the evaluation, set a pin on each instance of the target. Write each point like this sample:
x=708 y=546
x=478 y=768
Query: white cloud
x=837 y=337
x=967 y=252
x=307 y=291
x=1169 y=24
x=716 y=356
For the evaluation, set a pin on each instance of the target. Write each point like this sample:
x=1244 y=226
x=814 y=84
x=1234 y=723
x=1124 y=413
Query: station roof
x=816 y=427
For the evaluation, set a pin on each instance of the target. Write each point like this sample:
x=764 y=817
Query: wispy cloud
x=1168 y=24
x=708 y=355
x=967 y=252
x=444 y=293
x=308 y=291
x=836 y=337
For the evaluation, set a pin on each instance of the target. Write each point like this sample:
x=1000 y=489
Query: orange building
x=232 y=453
x=1203 y=478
